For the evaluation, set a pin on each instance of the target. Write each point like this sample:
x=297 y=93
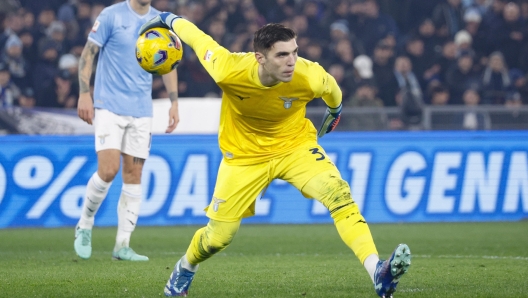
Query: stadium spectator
x=446 y=60
x=65 y=91
x=44 y=19
x=463 y=42
x=365 y=96
x=473 y=26
x=520 y=83
x=4 y=33
x=510 y=35
x=462 y=76
x=496 y=81
x=480 y=6
x=382 y=69
x=281 y=11
x=344 y=54
x=371 y=25
x=403 y=77
x=14 y=59
x=66 y=15
x=45 y=70
x=448 y=18
x=29 y=47
x=363 y=67
x=314 y=14
x=9 y=92
x=338 y=10
x=197 y=82
x=470 y=119
x=426 y=32
x=84 y=19
x=57 y=32
x=515 y=118
x=414 y=49
x=27 y=98
x=339 y=30
x=314 y=51
x=15 y=22
x=440 y=95
x=217 y=30
x=411 y=107
x=28 y=18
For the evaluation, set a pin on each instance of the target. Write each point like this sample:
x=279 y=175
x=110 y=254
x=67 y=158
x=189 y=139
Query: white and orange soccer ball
x=158 y=51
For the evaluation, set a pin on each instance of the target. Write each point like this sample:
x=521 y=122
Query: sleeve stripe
x=95 y=41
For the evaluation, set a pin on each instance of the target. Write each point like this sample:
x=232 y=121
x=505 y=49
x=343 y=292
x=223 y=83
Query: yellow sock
x=334 y=193
x=355 y=232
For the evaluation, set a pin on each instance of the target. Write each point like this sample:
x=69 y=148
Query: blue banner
x=394 y=177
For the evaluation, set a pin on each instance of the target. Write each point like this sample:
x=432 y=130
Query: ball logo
x=138 y=56
x=152 y=34
x=175 y=42
x=160 y=57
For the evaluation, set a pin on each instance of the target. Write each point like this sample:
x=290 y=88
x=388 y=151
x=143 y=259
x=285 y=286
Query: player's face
x=279 y=63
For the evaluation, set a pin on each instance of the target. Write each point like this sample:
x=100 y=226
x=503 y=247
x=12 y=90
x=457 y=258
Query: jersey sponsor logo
x=125 y=27
x=288 y=101
x=229 y=155
x=216 y=203
x=95 y=26
x=207 y=56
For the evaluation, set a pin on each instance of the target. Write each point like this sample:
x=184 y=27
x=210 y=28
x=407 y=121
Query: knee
x=108 y=171
x=338 y=195
x=219 y=235
x=216 y=244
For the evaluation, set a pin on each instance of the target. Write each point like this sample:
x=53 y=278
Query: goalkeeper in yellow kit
x=263 y=136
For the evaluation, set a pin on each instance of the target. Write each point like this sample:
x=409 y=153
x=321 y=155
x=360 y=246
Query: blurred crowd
x=406 y=53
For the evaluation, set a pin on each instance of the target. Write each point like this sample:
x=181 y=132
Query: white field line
x=471 y=257
x=522 y=258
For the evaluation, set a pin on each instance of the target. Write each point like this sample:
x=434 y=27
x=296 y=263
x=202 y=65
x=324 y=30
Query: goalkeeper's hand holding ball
x=163 y=20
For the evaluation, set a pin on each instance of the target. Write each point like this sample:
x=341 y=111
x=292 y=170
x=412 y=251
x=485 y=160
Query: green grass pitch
x=449 y=260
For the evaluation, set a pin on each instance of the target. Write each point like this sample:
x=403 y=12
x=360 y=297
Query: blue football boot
x=389 y=272
x=179 y=281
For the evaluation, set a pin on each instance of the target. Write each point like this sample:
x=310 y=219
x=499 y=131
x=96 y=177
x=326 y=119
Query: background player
x=263 y=136
x=123 y=117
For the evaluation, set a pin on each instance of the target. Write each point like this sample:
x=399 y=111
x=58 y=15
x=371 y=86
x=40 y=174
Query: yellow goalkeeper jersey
x=258 y=123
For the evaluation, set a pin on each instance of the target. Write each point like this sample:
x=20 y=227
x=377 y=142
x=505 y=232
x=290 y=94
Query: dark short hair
x=269 y=34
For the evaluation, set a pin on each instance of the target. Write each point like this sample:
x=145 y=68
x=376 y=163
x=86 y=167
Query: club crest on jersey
x=288 y=101
x=216 y=203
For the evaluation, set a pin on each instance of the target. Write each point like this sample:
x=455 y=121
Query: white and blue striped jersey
x=121 y=85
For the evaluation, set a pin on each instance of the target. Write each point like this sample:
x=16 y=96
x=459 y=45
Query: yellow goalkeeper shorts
x=239 y=186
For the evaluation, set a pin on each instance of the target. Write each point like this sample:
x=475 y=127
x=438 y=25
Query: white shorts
x=128 y=134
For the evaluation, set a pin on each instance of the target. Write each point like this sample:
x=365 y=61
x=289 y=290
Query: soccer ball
x=158 y=51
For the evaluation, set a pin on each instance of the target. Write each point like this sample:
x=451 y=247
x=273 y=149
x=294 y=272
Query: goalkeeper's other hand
x=330 y=120
x=163 y=20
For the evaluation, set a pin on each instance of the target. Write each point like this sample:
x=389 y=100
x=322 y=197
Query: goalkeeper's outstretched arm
x=189 y=33
x=333 y=100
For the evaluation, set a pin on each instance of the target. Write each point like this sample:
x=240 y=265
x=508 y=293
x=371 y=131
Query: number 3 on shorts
x=316 y=151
